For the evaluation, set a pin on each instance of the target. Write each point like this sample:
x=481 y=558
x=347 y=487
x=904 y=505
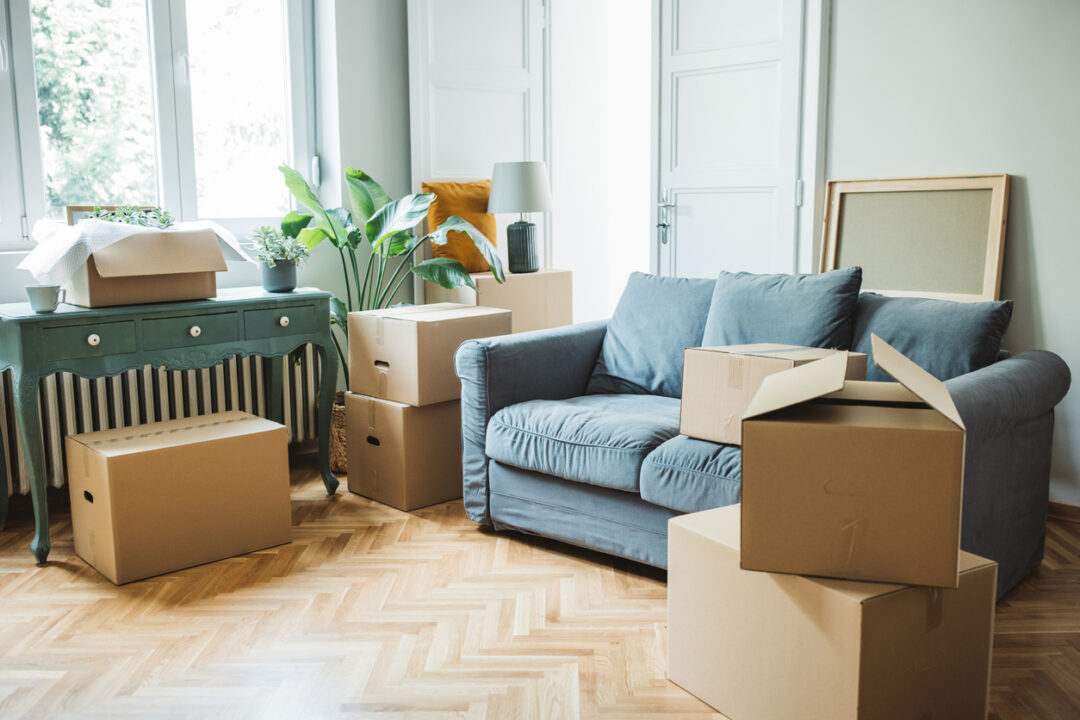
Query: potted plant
x=380 y=231
x=278 y=255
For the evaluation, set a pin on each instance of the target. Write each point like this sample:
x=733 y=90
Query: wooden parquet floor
x=371 y=612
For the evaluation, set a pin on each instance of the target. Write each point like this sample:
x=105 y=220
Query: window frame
x=173 y=128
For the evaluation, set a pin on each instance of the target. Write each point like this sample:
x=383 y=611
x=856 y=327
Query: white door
x=728 y=136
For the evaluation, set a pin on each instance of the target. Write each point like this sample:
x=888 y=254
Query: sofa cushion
x=811 y=310
x=655 y=320
x=595 y=439
x=946 y=338
x=690 y=475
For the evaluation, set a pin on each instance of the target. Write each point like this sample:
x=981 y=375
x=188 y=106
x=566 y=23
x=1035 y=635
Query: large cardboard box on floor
x=150 y=267
x=155 y=498
x=855 y=480
x=403 y=456
x=406 y=354
x=771 y=645
x=719 y=382
x=539 y=300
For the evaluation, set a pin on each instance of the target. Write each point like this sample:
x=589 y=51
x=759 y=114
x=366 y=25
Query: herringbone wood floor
x=378 y=613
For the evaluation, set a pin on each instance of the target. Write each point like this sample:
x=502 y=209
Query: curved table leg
x=327 y=388
x=3 y=486
x=29 y=420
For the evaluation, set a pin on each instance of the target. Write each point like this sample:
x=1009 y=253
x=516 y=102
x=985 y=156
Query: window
x=188 y=104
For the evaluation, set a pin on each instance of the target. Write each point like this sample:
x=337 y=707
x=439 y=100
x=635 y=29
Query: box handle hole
x=86 y=494
x=372 y=440
x=382 y=364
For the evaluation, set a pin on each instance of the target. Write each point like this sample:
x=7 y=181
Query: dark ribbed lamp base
x=521 y=247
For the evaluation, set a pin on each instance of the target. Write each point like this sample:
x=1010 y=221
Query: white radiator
x=70 y=404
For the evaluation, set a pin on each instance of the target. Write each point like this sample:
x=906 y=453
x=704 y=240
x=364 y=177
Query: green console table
x=99 y=342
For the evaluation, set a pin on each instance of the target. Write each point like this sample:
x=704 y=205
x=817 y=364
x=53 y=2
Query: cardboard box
x=155 y=498
x=765 y=645
x=150 y=267
x=403 y=456
x=852 y=479
x=539 y=300
x=719 y=382
x=406 y=354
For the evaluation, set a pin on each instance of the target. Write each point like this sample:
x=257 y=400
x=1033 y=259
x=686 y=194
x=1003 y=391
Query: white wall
x=600 y=146
x=978 y=86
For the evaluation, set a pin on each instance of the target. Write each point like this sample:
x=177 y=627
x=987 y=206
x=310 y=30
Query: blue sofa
x=549 y=450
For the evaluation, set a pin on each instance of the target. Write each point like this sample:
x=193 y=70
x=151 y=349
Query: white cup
x=45 y=298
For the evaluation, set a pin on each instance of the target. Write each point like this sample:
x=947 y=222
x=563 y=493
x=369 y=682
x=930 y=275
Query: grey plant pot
x=279 y=279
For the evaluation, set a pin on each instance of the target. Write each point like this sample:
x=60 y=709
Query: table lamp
x=520 y=187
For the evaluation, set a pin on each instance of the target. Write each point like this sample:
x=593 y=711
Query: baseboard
x=1064 y=511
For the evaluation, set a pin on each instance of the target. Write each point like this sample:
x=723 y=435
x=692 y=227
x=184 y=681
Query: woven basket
x=339 y=457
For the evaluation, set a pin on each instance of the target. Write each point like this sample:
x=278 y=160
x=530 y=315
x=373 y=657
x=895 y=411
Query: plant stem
x=345 y=273
x=341 y=356
x=398 y=286
x=377 y=290
x=356 y=279
x=367 y=281
x=397 y=271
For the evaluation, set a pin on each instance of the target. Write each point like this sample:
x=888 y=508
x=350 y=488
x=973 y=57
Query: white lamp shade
x=519 y=187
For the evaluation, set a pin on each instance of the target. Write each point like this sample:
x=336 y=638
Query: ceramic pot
x=279 y=279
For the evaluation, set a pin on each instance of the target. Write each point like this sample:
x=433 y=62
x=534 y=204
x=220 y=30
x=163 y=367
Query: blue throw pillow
x=945 y=338
x=656 y=319
x=811 y=310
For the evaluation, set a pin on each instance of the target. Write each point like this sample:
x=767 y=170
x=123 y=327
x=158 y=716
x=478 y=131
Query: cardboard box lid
x=436 y=312
x=826 y=376
x=724 y=526
x=163 y=253
x=173 y=433
x=779 y=351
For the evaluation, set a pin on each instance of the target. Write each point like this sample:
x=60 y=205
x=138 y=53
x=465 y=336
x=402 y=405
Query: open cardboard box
x=856 y=480
x=773 y=645
x=539 y=300
x=719 y=382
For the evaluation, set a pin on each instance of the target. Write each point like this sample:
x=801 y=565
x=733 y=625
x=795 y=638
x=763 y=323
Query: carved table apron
x=94 y=343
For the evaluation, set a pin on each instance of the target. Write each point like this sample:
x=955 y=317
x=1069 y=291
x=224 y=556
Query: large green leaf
x=480 y=240
x=367 y=196
x=303 y=193
x=444 y=271
x=397 y=244
x=339 y=315
x=311 y=237
x=294 y=222
x=396 y=216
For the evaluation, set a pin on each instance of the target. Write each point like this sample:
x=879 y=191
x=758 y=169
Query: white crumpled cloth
x=62 y=249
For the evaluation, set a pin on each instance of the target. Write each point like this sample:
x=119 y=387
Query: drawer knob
x=284 y=321
x=195 y=331
x=93 y=340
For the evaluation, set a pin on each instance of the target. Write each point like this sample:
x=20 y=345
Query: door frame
x=813 y=124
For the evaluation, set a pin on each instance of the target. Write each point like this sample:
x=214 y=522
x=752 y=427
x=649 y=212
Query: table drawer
x=190 y=331
x=91 y=340
x=284 y=321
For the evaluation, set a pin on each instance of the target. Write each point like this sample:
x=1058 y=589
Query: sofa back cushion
x=811 y=310
x=946 y=338
x=656 y=319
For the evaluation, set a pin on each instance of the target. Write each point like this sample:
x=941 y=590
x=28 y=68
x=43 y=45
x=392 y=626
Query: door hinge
x=316 y=171
x=24 y=224
x=799 y=192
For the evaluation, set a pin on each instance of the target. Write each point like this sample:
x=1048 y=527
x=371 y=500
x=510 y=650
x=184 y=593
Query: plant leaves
x=333 y=227
x=480 y=240
x=397 y=244
x=367 y=196
x=294 y=222
x=397 y=215
x=311 y=237
x=339 y=315
x=444 y=271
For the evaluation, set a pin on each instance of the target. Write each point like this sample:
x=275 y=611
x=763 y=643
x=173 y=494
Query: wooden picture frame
x=935 y=237
x=75 y=213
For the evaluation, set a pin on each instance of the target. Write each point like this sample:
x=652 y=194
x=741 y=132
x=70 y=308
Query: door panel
x=728 y=109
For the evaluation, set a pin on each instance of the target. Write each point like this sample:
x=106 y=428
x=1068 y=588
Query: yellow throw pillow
x=469 y=202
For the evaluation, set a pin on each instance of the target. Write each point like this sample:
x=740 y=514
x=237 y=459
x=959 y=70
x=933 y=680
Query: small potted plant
x=278 y=256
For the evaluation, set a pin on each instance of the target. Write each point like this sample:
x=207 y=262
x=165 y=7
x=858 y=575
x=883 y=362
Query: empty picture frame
x=936 y=237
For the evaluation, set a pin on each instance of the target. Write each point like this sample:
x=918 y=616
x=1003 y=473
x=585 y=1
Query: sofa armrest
x=500 y=371
x=1010 y=392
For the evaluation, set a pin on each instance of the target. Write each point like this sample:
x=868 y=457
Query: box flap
x=798 y=385
x=184 y=431
x=407 y=311
x=163 y=253
x=915 y=379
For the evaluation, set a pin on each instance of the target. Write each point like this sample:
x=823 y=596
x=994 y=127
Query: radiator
x=71 y=404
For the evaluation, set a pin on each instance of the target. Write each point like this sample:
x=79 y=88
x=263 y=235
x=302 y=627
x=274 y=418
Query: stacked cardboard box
x=539 y=300
x=403 y=416
x=837 y=589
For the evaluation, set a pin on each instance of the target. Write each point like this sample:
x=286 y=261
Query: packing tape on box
x=380 y=324
x=736 y=368
x=934 y=609
x=371 y=415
